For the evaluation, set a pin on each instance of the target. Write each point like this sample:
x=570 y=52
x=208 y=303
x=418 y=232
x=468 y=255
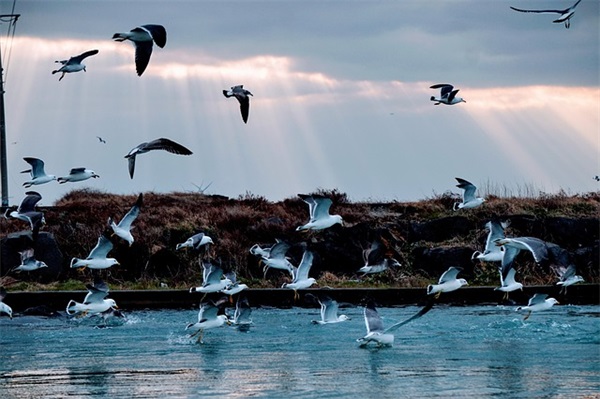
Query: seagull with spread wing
x=123 y=229
x=565 y=15
x=73 y=64
x=241 y=95
x=447 y=95
x=158 y=144
x=142 y=38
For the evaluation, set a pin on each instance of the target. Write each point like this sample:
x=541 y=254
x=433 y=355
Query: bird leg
x=527 y=316
x=437 y=294
x=200 y=336
x=505 y=296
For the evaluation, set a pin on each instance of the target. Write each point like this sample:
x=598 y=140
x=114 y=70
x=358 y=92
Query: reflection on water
x=452 y=351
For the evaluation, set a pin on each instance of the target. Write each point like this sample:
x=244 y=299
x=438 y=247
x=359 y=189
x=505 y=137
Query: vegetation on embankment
x=424 y=236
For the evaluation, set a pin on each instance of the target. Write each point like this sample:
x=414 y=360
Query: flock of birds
x=215 y=281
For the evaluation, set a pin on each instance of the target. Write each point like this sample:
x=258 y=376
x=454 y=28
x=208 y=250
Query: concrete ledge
x=582 y=294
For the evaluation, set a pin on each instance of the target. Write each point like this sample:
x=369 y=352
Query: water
x=478 y=352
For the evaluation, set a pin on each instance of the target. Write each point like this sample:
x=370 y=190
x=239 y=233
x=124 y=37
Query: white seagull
x=301 y=280
x=318 y=208
x=375 y=260
x=208 y=317
x=447 y=282
x=212 y=280
x=257 y=250
x=469 y=199
x=28 y=262
x=492 y=252
x=276 y=258
x=329 y=311
x=447 y=95
x=142 y=38
x=158 y=144
x=565 y=15
x=123 y=229
x=234 y=287
x=97 y=259
x=537 y=303
x=195 y=242
x=568 y=276
x=242 y=314
x=73 y=64
x=38 y=175
x=78 y=174
x=94 y=302
x=4 y=308
x=27 y=213
x=242 y=96
x=508 y=283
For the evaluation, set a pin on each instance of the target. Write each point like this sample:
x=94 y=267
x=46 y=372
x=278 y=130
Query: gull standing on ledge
x=158 y=144
x=565 y=15
x=318 y=208
x=73 y=64
x=142 y=38
x=469 y=199
x=537 y=303
x=78 y=174
x=242 y=96
x=447 y=282
x=447 y=95
x=123 y=229
x=38 y=175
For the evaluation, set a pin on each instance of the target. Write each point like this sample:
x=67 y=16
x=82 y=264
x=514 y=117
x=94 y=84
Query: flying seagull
x=276 y=258
x=469 y=199
x=318 y=209
x=100 y=139
x=329 y=311
x=537 y=303
x=242 y=315
x=301 y=280
x=447 y=282
x=142 y=38
x=195 y=242
x=158 y=144
x=4 y=308
x=27 y=213
x=78 y=174
x=123 y=229
x=508 y=283
x=38 y=175
x=97 y=259
x=212 y=280
x=73 y=64
x=28 y=262
x=375 y=259
x=565 y=15
x=242 y=96
x=568 y=276
x=94 y=302
x=447 y=95
x=209 y=316
x=492 y=252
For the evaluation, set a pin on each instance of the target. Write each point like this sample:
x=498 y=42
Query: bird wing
x=537 y=298
x=374 y=254
x=133 y=213
x=96 y=292
x=508 y=259
x=540 y=11
x=207 y=311
x=279 y=250
x=26 y=255
x=311 y=204
x=537 y=247
x=304 y=267
x=420 y=313
x=101 y=249
x=167 y=145
x=508 y=278
x=329 y=309
x=213 y=276
x=143 y=51
x=37 y=166
x=29 y=202
x=77 y=59
x=321 y=209
x=496 y=232
x=469 y=188
x=449 y=274
x=567 y=273
x=76 y=171
x=158 y=33
x=445 y=88
x=452 y=95
x=372 y=319
x=244 y=107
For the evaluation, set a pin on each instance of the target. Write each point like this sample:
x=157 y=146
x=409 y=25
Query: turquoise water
x=478 y=352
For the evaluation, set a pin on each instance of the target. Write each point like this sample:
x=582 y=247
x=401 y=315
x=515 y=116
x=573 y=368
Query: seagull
x=212 y=280
x=242 y=314
x=78 y=174
x=375 y=260
x=375 y=331
x=469 y=199
x=508 y=283
x=242 y=96
x=38 y=176
x=537 y=303
x=4 y=308
x=448 y=282
x=318 y=207
x=329 y=311
x=27 y=213
x=208 y=317
x=565 y=15
x=158 y=144
x=257 y=250
x=568 y=276
x=234 y=287
x=276 y=258
x=301 y=280
x=97 y=258
x=73 y=64
x=142 y=38
x=512 y=247
x=123 y=229
x=447 y=95
x=492 y=252
x=100 y=139
x=195 y=242
x=28 y=262
x=94 y=302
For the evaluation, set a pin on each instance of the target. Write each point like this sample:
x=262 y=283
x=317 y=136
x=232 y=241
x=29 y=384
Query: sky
x=341 y=97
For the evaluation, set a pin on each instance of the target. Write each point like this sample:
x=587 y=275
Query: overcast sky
x=341 y=97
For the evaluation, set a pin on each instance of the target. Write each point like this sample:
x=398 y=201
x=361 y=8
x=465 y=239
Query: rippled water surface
x=450 y=352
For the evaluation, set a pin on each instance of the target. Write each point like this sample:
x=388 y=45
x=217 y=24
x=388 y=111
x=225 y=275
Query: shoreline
x=582 y=294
